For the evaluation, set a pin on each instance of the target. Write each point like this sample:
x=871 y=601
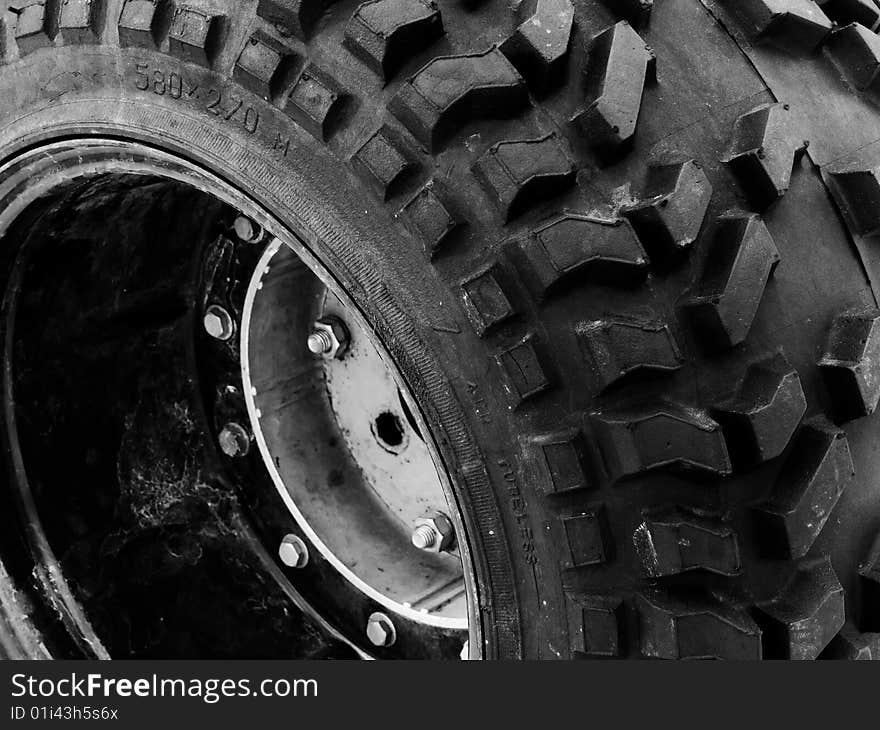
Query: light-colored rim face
x=99 y=156
x=402 y=480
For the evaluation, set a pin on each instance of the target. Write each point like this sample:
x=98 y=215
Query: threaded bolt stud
x=424 y=537
x=320 y=342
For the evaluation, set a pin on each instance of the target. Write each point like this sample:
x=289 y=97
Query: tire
x=621 y=254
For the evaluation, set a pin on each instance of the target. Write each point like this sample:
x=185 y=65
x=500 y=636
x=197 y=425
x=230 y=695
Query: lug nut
x=329 y=338
x=218 y=323
x=247 y=230
x=234 y=440
x=293 y=552
x=433 y=533
x=380 y=630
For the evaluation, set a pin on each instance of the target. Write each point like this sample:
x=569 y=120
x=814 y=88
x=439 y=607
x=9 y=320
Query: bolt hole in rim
x=397 y=431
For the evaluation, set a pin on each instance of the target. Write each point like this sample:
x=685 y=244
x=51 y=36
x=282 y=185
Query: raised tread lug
x=314 y=102
x=761 y=418
x=562 y=458
x=695 y=629
x=851 y=364
x=384 y=33
x=450 y=90
x=741 y=261
x=431 y=215
x=855 y=51
x=296 y=17
x=869 y=571
x=616 y=348
x=660 y=435
x=485 y=302
x=807 y=489
x=799 y=26
x=855 y=185
x=524 y=375
x=843 y=12
x=620 y=65
x=518 y=173
x=596 y=625
x=674 y=541
x=587 y=538
x=539 y=46
x=762 y=152
x=574 y=247
x=637 y=12
x=807 y=614
x=382 y=162
x=264 y=65
x=32 y=25
x=673 y=206
x=851 y=645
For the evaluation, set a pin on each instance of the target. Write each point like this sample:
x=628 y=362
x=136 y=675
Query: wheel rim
x=398 y=475
x=418 y=632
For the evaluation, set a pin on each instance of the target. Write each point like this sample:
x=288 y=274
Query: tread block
x=851 y=645
x=812 y=479
x=843 y=12
x=741 y=260
x=762 y=152
x=796 y=25
x=596 y=625
x=851 y=364
x=660 y=435
x=524 y=377
x=563 y=459
x=581 y=247
x=538 y=47
x=30 y=24
x=869 y=570
x=485 y=302
x=314 y=102
x=431 y=217
x=450 y=90
x=694 y=629
x=77 y=21
x=263 y=64
x=616 y=348
x=619 y=66
x=297 y=17
x=855 y=50
x=384 y=33
x=673 y=205
x=807 y=614
x=138 y=23
x=637 y=12
x=194 y=33
x=382 y=163
x=673 y=541
x=519 y=173
x=587 y=538
x=760 y=419
x=855 y=186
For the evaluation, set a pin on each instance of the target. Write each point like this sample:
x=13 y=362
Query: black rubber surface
x=624 y=254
